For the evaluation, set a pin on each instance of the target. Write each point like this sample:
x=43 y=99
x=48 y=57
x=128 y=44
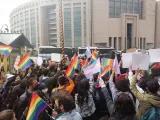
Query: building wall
x=112 y=30
x=25 y=19
x=157 y=41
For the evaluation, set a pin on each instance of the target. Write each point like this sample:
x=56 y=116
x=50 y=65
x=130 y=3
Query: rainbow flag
x=106 y=65
x=25 y=62
x=37 y=105
x=5 y=50
x=72 y=66
x=105 y=62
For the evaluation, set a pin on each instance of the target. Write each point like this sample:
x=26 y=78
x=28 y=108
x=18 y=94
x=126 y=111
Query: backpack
x=151 y=114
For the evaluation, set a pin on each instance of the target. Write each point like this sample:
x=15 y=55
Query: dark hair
x=82 y=90
x=62 y=80
x=6 y=115
x=30 y=80
x=122 y=85
x=124 y=105
x=155 y=70
x=65 y=99
x=152 y=86
x=45 y=72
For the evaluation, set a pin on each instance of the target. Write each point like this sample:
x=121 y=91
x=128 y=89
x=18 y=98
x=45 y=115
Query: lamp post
x=61 y=31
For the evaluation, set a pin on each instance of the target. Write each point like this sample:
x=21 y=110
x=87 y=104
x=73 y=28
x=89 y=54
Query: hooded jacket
x=146 y=100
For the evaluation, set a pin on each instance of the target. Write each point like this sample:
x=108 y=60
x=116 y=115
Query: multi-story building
x=39 y=21
x=157 y=39
x=120 y=24
x=75 y=19
x=124 y=24
x=25 y=19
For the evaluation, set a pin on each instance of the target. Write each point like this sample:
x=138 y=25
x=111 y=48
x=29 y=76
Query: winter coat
x=73 y=115
x=110 y=105
x=146 y=100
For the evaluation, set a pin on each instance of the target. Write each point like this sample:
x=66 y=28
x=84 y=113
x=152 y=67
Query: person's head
x=142 y=74
x=82 y=90
x=7 y=115
x=63 y=101
x=62 y=80
x=124 y=104
x=45 y=72
x=32 y=82
x=122 y=85
x=152 y=86
x=155 y=69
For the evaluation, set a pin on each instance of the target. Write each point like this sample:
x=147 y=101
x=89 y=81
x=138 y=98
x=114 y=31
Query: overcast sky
x=6 y=6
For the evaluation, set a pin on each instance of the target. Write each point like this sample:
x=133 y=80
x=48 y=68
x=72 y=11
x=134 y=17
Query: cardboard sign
x=136 y=61
x=140 y=61
x=126 y=60
x=56 y=57
x=39 y=61
x=154 y=55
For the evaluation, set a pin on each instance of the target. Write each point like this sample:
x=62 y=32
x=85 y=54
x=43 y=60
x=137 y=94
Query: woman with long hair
x=84 y=100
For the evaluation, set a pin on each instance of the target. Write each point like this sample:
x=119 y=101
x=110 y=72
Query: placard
x=140 y=61
x=126 y=60
x=39 y=61
x=154 y=55
x=56 y=57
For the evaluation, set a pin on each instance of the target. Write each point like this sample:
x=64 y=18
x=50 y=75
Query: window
x=111 y=8
x=144 y=43
x=67 y=27
x=77 y=26
x=115 y=42
x=129 y=6
x=123 y=6
x=117 y=8
x=141 y=43
x=110 y=41
x=120 y=42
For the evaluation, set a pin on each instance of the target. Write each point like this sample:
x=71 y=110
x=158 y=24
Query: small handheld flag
x=72 y=66
x=5 y=50
x=37 y=105
x=25 y=62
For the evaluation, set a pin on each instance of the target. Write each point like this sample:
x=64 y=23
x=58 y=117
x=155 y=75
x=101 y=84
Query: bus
x=46 y=51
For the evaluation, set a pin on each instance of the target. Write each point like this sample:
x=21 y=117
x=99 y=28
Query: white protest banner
x=39 y=61
x=154 y=55
x=56 y=57
x=126 y=60
x=140 y=61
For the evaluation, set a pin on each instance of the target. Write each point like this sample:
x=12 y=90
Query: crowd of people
x=131 y=95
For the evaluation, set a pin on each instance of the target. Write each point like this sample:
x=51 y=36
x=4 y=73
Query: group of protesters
x=130 y=95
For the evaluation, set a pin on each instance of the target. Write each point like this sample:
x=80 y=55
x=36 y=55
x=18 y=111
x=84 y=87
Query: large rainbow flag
x=37 y=105
x=72 y=66
x=25 y=62
x=5 y=50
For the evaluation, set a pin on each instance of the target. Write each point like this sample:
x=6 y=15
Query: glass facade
x=118 y=7
x=67 y=27
x=77 y=26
